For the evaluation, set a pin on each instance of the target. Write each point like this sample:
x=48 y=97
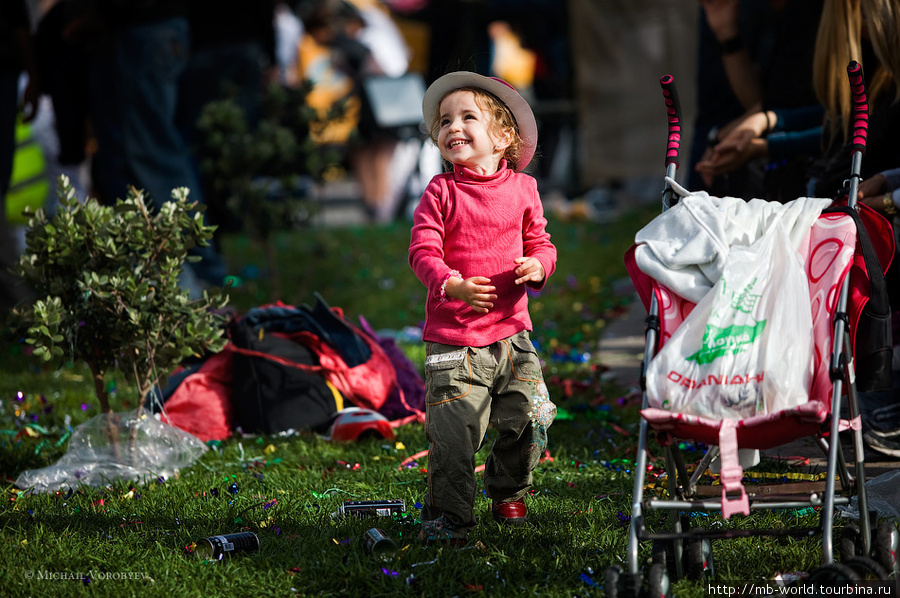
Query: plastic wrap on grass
x=132 y=446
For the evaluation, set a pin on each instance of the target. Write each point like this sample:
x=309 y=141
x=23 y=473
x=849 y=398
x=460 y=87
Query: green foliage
x=107 y=282
x=261 y=173
x=261 y=176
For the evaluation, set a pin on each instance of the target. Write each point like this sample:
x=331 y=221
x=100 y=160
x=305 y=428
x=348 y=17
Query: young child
x=478 y=240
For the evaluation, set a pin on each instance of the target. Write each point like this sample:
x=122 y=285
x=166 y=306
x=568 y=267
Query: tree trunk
x=100 y=389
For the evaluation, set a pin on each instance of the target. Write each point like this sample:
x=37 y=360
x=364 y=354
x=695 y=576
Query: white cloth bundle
x=685 y=247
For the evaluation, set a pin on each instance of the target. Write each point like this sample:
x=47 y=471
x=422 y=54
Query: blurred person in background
x=232 y=56
x=138 y=54
x=862 y=30
x=288 y=33
x=753 y=55
x=344 y=43
x=16 y=57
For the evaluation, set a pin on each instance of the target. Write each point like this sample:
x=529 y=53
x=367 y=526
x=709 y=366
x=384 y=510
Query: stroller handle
x=860 y=108
x=673 y=112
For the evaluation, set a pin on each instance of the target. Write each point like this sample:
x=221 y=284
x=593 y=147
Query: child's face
x=466 y=135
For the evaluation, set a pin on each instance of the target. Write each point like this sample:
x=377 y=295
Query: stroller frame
x=690 y=550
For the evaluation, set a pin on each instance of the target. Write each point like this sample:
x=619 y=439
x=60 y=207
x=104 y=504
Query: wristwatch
x=887 y=204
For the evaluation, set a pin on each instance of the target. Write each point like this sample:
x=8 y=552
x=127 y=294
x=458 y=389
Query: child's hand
x=529 y=270
x=476 y=292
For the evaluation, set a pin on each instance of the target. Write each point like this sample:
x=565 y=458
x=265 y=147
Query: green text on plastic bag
x=731 y=340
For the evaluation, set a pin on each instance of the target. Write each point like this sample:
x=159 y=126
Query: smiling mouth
x=457 y=143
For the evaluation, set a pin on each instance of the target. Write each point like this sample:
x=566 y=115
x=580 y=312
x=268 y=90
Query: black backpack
x=276 y=385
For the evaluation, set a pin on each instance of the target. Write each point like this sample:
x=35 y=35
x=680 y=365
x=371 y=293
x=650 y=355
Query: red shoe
x=509 y=513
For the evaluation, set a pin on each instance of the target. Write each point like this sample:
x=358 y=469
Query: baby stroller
x=686 y=551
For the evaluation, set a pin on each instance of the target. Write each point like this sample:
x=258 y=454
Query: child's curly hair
x=502 y=120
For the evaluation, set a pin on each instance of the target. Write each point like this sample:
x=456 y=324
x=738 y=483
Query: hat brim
x=520 y=109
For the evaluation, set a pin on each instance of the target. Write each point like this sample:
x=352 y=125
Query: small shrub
x=106 y=278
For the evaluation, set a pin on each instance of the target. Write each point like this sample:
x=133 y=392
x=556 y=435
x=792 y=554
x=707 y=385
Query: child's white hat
x=507 y=94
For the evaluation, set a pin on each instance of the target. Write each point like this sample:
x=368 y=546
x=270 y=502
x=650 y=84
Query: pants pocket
x=525 y=361
x=448 y=374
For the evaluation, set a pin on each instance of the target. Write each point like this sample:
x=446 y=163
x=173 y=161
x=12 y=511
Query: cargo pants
x=469 y=390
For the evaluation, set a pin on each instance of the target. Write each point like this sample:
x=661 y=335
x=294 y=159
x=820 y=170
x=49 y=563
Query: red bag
x=368 y=384
x=201 y=404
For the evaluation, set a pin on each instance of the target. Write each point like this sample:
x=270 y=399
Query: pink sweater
x=478 y=225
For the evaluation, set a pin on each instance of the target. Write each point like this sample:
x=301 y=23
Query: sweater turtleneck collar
x=466 y=175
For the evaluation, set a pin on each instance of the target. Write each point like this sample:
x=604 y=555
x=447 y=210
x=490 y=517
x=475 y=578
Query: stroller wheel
x=658 y=585
x=698 y=559
x=664 y=554
x=832 y=573
x=619 y=584
x=850 y=542
x=613 y=581
x=867 y=568
x=885 y=546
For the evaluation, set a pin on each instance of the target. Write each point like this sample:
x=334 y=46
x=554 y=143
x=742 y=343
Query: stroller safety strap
x=731 y=472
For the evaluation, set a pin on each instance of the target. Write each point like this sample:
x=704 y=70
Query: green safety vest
x=29 y=186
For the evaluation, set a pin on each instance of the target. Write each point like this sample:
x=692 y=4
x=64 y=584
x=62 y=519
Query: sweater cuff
x=442 y=294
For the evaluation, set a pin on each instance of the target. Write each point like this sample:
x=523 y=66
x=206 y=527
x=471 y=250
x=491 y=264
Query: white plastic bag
x=132 y=446
x=746 y=348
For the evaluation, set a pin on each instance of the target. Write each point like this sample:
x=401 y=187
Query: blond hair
x=882 y=21
x=839 y=40
x=502 y=122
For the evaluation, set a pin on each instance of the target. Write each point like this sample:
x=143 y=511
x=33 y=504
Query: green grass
x=131 y=539
x=365 y=271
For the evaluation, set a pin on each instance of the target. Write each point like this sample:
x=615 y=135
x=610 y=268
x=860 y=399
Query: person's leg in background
x=149 y=61
x=372 y=166
x=221 y=71
x=880 y=411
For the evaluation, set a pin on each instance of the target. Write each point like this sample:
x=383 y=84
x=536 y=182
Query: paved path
x=622 y=346
x=339 y=204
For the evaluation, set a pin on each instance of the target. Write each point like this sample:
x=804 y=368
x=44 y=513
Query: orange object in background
x=511 y=62
x=329 y=87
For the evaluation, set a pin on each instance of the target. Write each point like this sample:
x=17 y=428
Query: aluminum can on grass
x=215 y=548
x=371 y=508
x=378 y=544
